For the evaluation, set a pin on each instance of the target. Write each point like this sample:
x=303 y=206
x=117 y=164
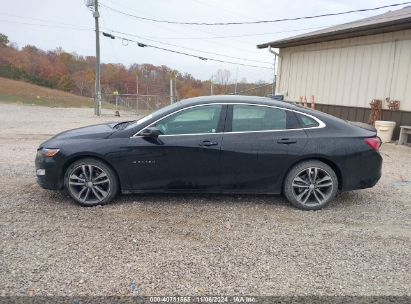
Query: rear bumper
x=362 y=171
x=48 y=173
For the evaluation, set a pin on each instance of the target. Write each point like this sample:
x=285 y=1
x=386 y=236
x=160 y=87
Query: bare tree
x=222 y=79
x=80 y=78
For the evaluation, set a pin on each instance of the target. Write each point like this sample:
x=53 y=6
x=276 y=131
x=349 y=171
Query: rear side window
x=258 y=118
x=306 y=121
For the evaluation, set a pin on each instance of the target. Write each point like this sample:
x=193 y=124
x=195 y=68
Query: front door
x=186 y=156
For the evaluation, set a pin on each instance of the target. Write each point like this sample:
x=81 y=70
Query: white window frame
x=321 y=124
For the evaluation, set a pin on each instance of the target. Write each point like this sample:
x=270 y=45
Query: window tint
x=258 y=118
x=203 y=119
x=306 y=121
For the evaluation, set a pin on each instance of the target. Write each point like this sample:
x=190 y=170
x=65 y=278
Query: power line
x=81 y=28
x=230 y=11
x=48 y=25
x=140 y=44
x=44 y=20
x=239 y=36
x=167 y=28
x=254 y=22
x=186 y=48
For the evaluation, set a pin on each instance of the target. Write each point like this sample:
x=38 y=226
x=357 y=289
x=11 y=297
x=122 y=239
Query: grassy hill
x=13 y=91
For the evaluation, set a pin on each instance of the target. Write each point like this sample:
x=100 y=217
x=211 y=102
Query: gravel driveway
x=193 y=244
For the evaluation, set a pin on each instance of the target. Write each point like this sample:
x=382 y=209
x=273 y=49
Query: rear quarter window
x=306 y=121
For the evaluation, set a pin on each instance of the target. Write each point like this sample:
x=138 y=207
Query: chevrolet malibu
x=215 y=144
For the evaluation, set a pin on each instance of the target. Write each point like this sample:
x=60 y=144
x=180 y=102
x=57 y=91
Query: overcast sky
x=48 y=24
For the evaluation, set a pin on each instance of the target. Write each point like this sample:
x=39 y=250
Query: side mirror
x=151 y=132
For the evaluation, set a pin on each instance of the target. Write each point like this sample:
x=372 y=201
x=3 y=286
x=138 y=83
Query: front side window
x=258 y=118
x=202 y=119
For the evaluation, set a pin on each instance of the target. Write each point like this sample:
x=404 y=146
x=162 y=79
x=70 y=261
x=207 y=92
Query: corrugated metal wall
x=349 y=72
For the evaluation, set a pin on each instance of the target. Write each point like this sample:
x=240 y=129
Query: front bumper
x=48 y=173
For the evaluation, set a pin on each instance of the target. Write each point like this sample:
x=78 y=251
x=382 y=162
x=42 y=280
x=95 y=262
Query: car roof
x=235 y=99
x=329 y=120
x=257 y=100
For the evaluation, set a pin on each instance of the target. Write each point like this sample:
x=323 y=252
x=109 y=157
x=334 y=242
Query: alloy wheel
x=312 y=186
x=89 y=183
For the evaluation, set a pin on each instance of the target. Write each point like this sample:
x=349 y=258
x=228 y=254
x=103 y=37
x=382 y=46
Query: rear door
x=186 y=156
x=260 y=143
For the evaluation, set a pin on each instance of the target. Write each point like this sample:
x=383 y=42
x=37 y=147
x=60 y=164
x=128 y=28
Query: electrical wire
x=219 y=44
x=44 y=20
x=239 y=36
x=167 y=28
x=187 y=48
x=83 y=28
x=48 y=25
x=253 y=22
x=140 y=44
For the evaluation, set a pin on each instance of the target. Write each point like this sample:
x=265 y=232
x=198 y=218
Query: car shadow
x=185 y=198
x=349 y=199
x=341 y=201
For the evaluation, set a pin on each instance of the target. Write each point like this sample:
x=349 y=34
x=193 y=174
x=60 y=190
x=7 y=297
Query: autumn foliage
x=74 y=73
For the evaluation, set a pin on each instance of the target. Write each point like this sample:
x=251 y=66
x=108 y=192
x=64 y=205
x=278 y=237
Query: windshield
x=155 y=114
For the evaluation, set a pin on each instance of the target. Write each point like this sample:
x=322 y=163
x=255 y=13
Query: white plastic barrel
x=385 y=129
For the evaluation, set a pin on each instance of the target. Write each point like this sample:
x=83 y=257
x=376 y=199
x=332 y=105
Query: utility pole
x=137 y=84
x=93 y=6
x=175 y=89
x=137 y=92
x=171 y=91
x=236 y=81
x=211 y=86
x=98 y=89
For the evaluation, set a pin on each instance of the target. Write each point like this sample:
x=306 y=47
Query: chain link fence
x=133 y=104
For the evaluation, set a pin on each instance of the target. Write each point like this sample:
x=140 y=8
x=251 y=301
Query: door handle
x=286 y=141
x=208 y=143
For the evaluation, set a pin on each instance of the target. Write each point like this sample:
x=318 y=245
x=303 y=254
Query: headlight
x=47 y=152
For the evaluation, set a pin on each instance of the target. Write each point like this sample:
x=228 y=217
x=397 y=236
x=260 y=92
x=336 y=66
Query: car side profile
x=215 y=144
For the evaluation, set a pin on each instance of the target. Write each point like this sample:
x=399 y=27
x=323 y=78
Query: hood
x=89 y=132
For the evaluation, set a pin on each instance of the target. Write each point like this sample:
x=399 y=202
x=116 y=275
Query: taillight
x=373 y=142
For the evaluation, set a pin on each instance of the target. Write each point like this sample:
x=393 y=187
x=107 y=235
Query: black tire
x=104 y=183
x=319 y=192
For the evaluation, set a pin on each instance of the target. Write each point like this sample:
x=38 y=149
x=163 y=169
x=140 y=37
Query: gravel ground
x=193 y=244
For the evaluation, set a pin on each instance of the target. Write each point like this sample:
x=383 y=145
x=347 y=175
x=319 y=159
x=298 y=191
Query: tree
x=222 y=79
x=66 y=83
x=75 y=73
x=4 y=40
x=80 y=78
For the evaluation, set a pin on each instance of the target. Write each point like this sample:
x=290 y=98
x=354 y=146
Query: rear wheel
x=91 y=182
x=311 y=185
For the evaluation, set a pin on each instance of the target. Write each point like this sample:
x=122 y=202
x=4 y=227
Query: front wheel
x=311 y=185
x=90 y=182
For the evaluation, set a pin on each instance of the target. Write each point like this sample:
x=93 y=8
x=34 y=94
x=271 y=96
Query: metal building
x=346 y=66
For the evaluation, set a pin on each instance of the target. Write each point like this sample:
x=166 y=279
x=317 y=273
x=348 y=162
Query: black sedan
x=215 y=144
